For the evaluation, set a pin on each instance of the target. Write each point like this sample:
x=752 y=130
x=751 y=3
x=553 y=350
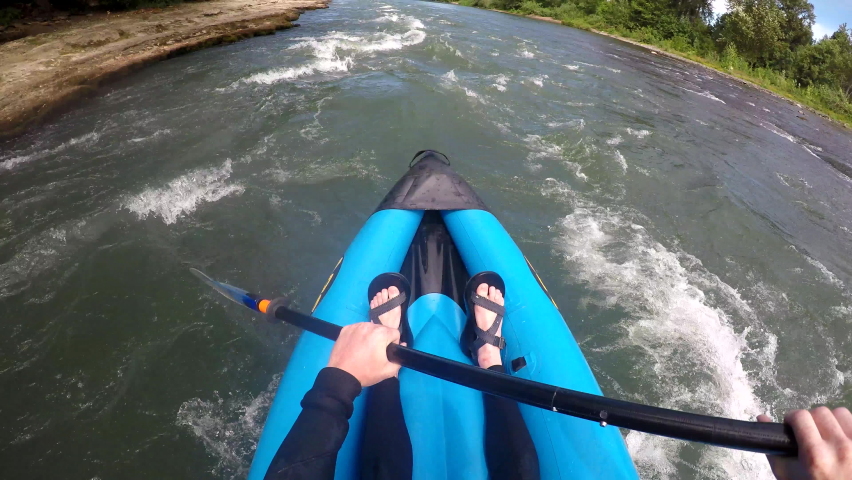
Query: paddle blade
x=234 y=294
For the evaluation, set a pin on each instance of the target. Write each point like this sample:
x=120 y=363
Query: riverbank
x=768 y=82
x=42 y=73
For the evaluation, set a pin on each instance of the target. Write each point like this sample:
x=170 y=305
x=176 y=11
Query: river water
x=696 y=233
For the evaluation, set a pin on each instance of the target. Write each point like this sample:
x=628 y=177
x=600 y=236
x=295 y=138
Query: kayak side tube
x=541 y=348
x=373 y=251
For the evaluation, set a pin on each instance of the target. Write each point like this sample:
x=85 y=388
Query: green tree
x=694 y=9
x=755 y=28
x=799 y=19
x=826 y=63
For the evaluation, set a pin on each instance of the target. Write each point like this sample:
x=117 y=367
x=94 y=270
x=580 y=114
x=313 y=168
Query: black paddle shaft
x=768 y=438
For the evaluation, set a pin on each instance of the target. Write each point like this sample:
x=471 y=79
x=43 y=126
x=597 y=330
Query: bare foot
x=392 y=318
x=488 y=355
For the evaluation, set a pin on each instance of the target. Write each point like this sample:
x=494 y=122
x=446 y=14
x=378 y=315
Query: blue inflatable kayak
x=435 y=230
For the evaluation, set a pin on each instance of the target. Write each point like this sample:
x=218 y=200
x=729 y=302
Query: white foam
x=153 y=136
x=781 y=133
x=825 y=272
x=408 y=20
x=577 y=124
x=655 y=456
x=621 y=160
x=470 y=93
x=451 y=48
x=313 y=131
x=331 y=65
x=83 y=140
x=526 y=53
x=394 y=42
x=450 y=77
x=86 y=139
x=616 y=140
x=541 y=149
x=34 y=257
x=706 y=95
x=843 y=312
x=184 y=194
x=753 y=105
x=559 y=191
x=229 y=428
x=503 y=127
x=613 y=70
x=12 y=162
x=573 y=68
x=279 y=175
x=500 y=82
x=538 y=80
x=682 y=334
x=638 y=133
x=338 y=52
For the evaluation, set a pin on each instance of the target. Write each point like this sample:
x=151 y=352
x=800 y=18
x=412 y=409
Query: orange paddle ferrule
x=262 y=305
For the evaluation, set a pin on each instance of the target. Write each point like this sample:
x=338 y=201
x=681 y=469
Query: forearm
x=310 y=449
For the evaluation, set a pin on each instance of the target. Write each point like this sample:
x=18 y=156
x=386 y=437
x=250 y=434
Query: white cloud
x=821 y=30
x=720 y=6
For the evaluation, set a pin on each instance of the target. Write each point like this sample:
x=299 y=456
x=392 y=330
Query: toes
x=373 y=303
x=389 y=319
x=494 y=294
x=482 y=289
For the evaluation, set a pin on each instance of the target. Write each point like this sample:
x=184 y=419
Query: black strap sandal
x=473 y=337
x=382 y=282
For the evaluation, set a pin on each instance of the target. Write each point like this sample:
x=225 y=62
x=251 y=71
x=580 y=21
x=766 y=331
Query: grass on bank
x=831 y=102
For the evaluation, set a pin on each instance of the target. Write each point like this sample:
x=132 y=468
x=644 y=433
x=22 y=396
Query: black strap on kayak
x=768 y=438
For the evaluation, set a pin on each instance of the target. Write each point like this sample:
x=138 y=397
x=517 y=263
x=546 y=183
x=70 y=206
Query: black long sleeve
x=509 y=449
x=310 y=449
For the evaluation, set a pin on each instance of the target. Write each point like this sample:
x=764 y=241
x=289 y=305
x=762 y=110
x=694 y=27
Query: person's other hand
x=361 y=351
x=825 y=445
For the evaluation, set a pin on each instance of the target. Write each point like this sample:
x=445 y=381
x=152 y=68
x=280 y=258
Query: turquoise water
x=694 y=232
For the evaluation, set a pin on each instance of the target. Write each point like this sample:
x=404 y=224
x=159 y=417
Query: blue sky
x=830 y=14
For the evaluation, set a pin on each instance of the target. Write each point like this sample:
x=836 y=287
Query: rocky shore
x=39 y=74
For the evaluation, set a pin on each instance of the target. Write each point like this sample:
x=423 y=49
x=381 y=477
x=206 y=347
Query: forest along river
x=695 y=232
